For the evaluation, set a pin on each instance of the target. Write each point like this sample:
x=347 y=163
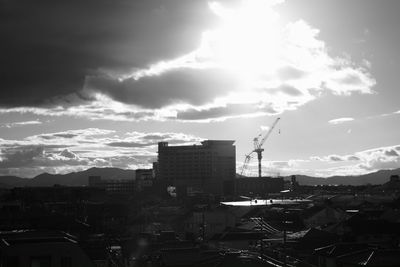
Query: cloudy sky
x=99 y=82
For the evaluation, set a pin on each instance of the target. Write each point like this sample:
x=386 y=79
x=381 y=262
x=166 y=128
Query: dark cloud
x=353 y=158
x=157 y=136
x=49 y=46
x=170 y=137
x=391 y=153
x=47 y=137
x=20 y=156
x=55 y=136
x=129 y=144
x=66 y=135
x=138 y=140
x=129 y=115
x=59 y=54
x=192 y=86
x=73 y=134
x=68 y=154
x=335 y=158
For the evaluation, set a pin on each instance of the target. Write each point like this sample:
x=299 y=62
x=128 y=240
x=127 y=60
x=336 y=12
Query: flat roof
x=205 y=143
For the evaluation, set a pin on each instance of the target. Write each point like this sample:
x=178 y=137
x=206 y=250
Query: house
x=206 y=223
x=27 y=248
x=314 y=238
x=236 y=240
x=357 y=254
x=326 y=216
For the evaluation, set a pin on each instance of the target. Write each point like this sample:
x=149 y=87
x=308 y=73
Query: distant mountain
x=379 y=177
x=11 y=181
x=70 y=179
x=81 y=178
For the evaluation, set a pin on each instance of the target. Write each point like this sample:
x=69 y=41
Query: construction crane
x=258 y=142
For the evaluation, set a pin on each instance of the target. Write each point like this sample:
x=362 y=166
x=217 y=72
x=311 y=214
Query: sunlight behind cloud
x=275 y=64
x=254 y=63
x=248 y=41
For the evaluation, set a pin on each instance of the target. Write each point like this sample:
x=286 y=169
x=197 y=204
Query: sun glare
x=248 y=40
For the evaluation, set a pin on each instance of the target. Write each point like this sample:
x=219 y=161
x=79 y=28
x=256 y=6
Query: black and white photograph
x=199 y=133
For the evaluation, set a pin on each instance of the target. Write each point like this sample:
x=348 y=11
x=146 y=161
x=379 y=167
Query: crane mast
x=258 y=148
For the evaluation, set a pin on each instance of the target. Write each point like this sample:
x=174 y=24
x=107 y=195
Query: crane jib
x=258 y=148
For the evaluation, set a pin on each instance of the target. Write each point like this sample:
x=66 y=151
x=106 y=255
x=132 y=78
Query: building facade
x=144 y=179
x=113 y=186
x=29 y=248
x=206 y=168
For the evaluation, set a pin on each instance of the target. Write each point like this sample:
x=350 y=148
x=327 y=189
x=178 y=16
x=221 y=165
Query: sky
x=97 y=83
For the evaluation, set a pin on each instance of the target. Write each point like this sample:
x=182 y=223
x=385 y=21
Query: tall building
x=206 y=168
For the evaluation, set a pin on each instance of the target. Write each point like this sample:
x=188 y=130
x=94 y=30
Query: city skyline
x=100 y=83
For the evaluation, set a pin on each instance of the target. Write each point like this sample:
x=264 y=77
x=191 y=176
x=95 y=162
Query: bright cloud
x=364 y=161
x=19 y=123
x=380 y=158
x=358 y=163
x=74 y=150
x=340 y=120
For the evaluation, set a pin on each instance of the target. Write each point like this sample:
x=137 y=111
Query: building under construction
x=211 y=168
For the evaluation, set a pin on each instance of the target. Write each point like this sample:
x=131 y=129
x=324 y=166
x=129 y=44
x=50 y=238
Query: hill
x=81 y=178
x=70 y=179
x=10 y=181
x=374 y=178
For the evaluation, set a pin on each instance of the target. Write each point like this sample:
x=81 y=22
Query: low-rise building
x=113 y=186
x=27 y=248
x=144 y=179
x=206 y=223
x=324 y=217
